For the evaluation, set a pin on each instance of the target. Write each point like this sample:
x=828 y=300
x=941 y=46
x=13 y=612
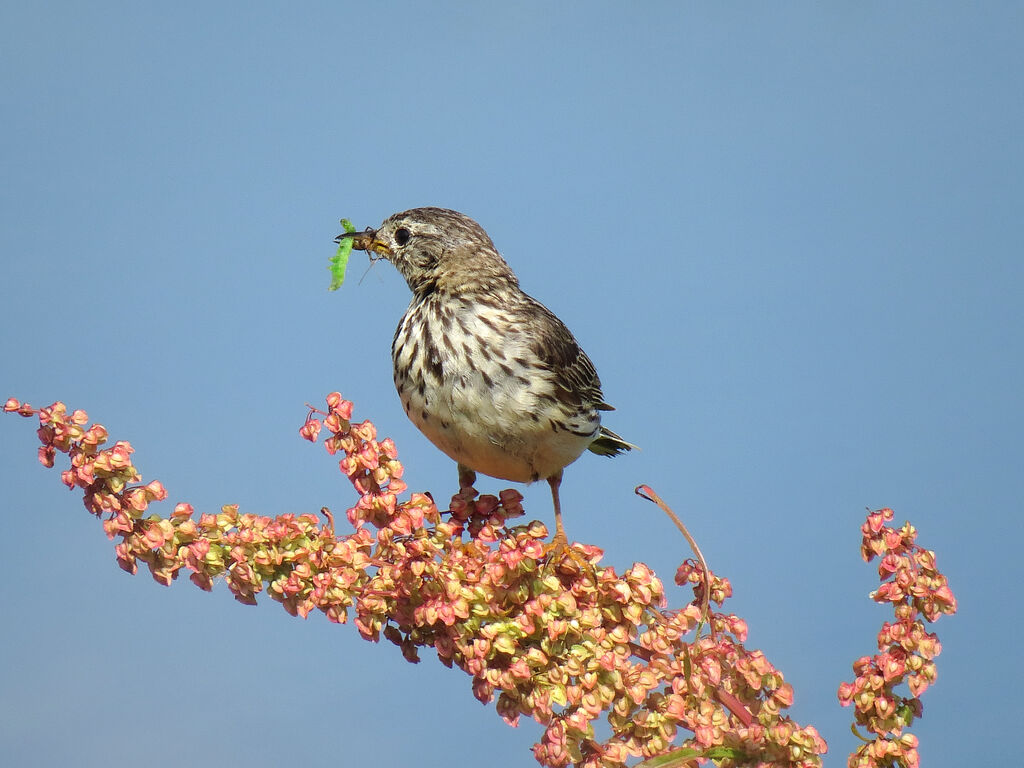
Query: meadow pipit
x=486 y=372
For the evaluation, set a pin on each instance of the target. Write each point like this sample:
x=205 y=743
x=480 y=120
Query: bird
x=486 y=372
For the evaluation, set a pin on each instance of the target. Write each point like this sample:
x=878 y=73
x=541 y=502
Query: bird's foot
x=561 y=557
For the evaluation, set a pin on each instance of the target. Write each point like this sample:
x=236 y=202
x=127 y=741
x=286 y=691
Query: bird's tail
x=607 y=443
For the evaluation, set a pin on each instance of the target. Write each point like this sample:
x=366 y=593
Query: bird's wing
x=573 y=375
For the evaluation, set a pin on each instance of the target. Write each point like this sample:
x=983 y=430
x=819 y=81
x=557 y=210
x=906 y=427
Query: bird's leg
x=560 y=541
x=467 y=477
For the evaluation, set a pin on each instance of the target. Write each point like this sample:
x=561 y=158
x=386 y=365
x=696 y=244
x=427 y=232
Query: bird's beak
x=365 y=241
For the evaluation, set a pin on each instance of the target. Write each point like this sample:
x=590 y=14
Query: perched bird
x=485 y=371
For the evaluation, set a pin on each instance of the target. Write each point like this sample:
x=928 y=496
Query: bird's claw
x=559 y=556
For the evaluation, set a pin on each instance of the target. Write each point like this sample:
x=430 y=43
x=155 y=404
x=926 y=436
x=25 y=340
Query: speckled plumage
x=485 y=371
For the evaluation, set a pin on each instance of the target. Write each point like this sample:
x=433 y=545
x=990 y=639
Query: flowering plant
x=913 y=586
x=547 y=638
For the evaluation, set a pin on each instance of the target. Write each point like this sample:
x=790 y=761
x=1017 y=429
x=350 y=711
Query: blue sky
x=789 y=236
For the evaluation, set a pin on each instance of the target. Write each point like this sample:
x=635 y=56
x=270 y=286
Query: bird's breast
x=469 y=381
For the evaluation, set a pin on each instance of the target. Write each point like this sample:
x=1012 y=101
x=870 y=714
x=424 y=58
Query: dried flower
x=545 y=639
x=918 y=592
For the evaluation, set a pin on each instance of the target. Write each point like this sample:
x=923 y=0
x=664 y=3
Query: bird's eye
x=402 y=236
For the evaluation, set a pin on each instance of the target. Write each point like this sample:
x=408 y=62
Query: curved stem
x=646 y=492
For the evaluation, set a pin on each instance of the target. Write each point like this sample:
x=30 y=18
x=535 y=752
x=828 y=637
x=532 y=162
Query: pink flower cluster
x=916 y=590
x=551 y=641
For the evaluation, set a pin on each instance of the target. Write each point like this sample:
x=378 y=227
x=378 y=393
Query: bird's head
x=436 y=249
